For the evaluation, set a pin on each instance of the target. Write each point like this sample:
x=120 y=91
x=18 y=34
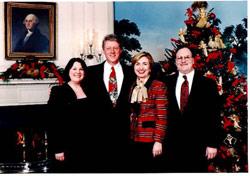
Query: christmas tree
x=216 y=58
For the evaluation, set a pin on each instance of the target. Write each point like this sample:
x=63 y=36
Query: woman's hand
x=157 y=149
x=59 y=156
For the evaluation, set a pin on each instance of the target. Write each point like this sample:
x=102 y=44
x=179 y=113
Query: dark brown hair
x=70 y=65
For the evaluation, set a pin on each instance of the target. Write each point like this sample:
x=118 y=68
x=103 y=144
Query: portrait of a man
x=30 y=30
x=32 y=40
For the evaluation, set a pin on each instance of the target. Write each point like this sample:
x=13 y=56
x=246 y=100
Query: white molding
x=28 y=81
x=25 y=91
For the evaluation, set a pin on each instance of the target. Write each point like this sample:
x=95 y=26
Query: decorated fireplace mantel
x=25 y=91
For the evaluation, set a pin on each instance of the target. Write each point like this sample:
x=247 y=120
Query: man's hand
x=59 y=156
x=211 y=152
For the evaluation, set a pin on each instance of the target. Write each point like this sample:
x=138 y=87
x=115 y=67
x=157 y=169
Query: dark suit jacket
x=111 y=126
x=190 y=132
x=113 y=120
x=36 y=43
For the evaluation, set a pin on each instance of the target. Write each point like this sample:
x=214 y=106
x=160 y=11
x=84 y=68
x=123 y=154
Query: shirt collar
x=189 y=75
x=108 y=66
x=29 y=32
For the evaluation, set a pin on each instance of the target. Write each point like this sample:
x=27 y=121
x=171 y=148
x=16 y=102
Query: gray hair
x=33 y=16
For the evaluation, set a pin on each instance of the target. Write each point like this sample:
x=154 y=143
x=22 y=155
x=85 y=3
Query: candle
x=81 y=47
x=91 y=37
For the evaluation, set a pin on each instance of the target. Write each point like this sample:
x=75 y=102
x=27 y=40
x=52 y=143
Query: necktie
x=113 y=92
x=184 y=93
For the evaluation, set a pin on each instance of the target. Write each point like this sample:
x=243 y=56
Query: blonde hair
x=138 y=56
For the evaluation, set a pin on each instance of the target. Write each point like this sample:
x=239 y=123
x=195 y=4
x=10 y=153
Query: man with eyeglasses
x=193 y=117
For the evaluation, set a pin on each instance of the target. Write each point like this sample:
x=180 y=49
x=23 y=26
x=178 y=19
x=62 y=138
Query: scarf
x=140 y=93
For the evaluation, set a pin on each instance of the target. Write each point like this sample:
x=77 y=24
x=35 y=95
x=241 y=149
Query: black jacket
x=189 y=133
x=37 y=42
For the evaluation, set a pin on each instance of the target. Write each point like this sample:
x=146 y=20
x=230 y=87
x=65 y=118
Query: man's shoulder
x=37 y=34
x=127 y=67
x=95 y=67
x=170 y=77
x=205 y=81
x=95 y=71
x=128 y=72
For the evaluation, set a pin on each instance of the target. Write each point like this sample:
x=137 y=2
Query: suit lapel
x=195 y=89
x=102 y=84
x=123 y=82
x=172 y=87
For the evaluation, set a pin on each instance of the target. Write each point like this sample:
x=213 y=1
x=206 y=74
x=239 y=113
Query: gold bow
x=140 y=93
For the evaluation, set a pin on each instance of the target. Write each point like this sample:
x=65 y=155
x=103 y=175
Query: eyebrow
x=184 y=56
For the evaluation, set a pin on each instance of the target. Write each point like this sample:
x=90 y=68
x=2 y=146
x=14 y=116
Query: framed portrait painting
x=30 y=30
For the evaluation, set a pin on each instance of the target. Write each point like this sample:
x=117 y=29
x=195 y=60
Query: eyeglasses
x=185 y=58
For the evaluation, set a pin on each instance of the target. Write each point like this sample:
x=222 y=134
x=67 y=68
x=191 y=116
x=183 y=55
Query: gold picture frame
x=42 y=41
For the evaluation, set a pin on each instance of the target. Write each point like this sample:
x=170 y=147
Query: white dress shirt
x=180 y=80
x=27 y=36
x=118 y=72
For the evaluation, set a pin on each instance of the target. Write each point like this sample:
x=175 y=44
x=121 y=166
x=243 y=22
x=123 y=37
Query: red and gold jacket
x=149 y=119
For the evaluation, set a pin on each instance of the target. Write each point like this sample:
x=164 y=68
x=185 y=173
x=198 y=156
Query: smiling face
x=142 y=68
x=184 y=61
x=76 y=73
x=112 y=52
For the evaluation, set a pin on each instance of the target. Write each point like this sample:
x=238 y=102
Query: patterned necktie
x=113 y=92
x=184 y=93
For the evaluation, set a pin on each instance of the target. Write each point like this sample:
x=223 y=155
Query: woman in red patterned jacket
x=148 y=115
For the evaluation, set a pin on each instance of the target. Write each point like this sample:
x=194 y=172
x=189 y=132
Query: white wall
x=75 y=20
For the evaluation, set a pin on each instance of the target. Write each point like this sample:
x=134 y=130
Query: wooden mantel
x=25 y=91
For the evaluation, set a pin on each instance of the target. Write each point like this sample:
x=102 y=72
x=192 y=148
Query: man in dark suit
x=32 y=40
x=110 y=108
x=191 y=137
